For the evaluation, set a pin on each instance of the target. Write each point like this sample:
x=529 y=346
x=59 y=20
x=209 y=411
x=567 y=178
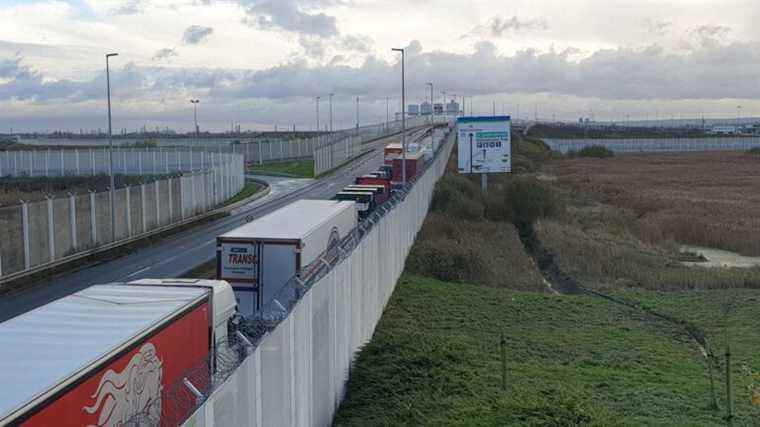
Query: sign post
x=485 y=146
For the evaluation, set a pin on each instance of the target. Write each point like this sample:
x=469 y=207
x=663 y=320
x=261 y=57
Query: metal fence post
x=63 y=166
x=143 y=214
x=171 y=201
x=51 y=227
x=73 y=221
x=158 y=202
x=128 y=216
x=26 y=232
x=93 y=219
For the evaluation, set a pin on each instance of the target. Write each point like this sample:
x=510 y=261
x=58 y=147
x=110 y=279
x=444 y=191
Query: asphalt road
x=180 y=253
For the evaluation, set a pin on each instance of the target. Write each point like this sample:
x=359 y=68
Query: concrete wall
x=40 y=232
x=334 y=149
x=296 y=374
x=656 y=145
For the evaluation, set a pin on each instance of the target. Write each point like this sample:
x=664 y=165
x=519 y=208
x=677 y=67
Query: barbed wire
x=179 y=400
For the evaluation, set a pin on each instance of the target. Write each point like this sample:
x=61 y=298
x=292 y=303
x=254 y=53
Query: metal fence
x=305 y=339
x=38 y=233
x=336 y=148
x=656 y=145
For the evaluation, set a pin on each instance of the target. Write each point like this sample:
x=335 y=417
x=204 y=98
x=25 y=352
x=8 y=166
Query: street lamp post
x=195 y=118
x=432 y=100
x=110 y=150
x=387 y=112
x=445 y=109
x=403 y=117
x=357 y=113
x=331 y=110
x=317 y=116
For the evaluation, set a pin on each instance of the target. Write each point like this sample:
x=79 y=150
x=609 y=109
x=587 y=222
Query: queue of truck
x=108 y=353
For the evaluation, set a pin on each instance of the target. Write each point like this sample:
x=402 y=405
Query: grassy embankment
x=571 y=359
x=295 y=169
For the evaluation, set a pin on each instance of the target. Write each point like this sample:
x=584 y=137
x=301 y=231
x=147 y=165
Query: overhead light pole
x=445 y=109
x=110 y=150
x=357 y=113
x=387 y=112
x=432 y=100
x=403 y=117
x=195 y=103
x=331 y=110
x=317 y=115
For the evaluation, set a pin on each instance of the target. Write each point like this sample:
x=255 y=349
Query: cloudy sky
x=260 y=63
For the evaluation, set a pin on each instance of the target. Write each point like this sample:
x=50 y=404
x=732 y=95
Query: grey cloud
x=297 y=16
x=657 y=27
x=707 y=73
x=165 y=53
x=500 y=27
x=130 y=7
x=709 y=34
x=356 y=43
x=196 y=34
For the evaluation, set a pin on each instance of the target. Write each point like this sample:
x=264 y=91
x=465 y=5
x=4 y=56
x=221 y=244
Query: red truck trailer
x=414 y=165
x=111 y=354
x=392 y=151
x=373 y=180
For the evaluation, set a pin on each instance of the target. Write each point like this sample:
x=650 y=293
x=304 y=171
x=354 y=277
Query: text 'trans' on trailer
x=260 y=257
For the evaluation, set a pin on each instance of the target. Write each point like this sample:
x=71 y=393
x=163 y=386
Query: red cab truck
x=110 y=354
x=373 y=180
x=260 y=257
x=414 y=165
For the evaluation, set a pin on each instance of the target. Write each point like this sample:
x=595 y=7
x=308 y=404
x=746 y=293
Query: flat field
x=435 y=360
x=709 y=199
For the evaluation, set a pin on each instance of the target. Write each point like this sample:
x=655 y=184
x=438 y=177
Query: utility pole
x=331 y=112
x=195 y=118
x=387 y=112
x=403 y=117
x=432 y=110
x=110 y=150
x=318 y=115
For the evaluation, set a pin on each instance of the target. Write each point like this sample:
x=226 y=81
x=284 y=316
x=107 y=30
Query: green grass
x=296 y=169
x=251 y=188
x=571 y=360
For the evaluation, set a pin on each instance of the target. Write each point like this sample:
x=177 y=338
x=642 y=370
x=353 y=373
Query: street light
x=403 y=117
x=387 y=112
x=432 y=110
x=110 y=150
x=445 y=109
x=331 y=121
x=357 y=113
x=195 y=118
x=318 y=116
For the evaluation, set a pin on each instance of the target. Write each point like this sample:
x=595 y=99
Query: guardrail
x=302 y=344
x=655 y=145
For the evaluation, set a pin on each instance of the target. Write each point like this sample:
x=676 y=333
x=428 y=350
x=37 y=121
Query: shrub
x=458 y=197
x=598 y=151
x=524 y=200
x=754 y=151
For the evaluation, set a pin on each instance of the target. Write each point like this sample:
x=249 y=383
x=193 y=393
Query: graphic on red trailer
x=140 y=384
x=135 y=390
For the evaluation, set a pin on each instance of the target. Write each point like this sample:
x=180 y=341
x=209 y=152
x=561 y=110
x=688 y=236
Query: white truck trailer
x=260 y=257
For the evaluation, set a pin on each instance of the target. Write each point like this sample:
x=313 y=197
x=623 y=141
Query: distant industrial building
x=413 y=110
x=452 y=107
x=438 y=108
x=425 y=108
x=724 y=130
